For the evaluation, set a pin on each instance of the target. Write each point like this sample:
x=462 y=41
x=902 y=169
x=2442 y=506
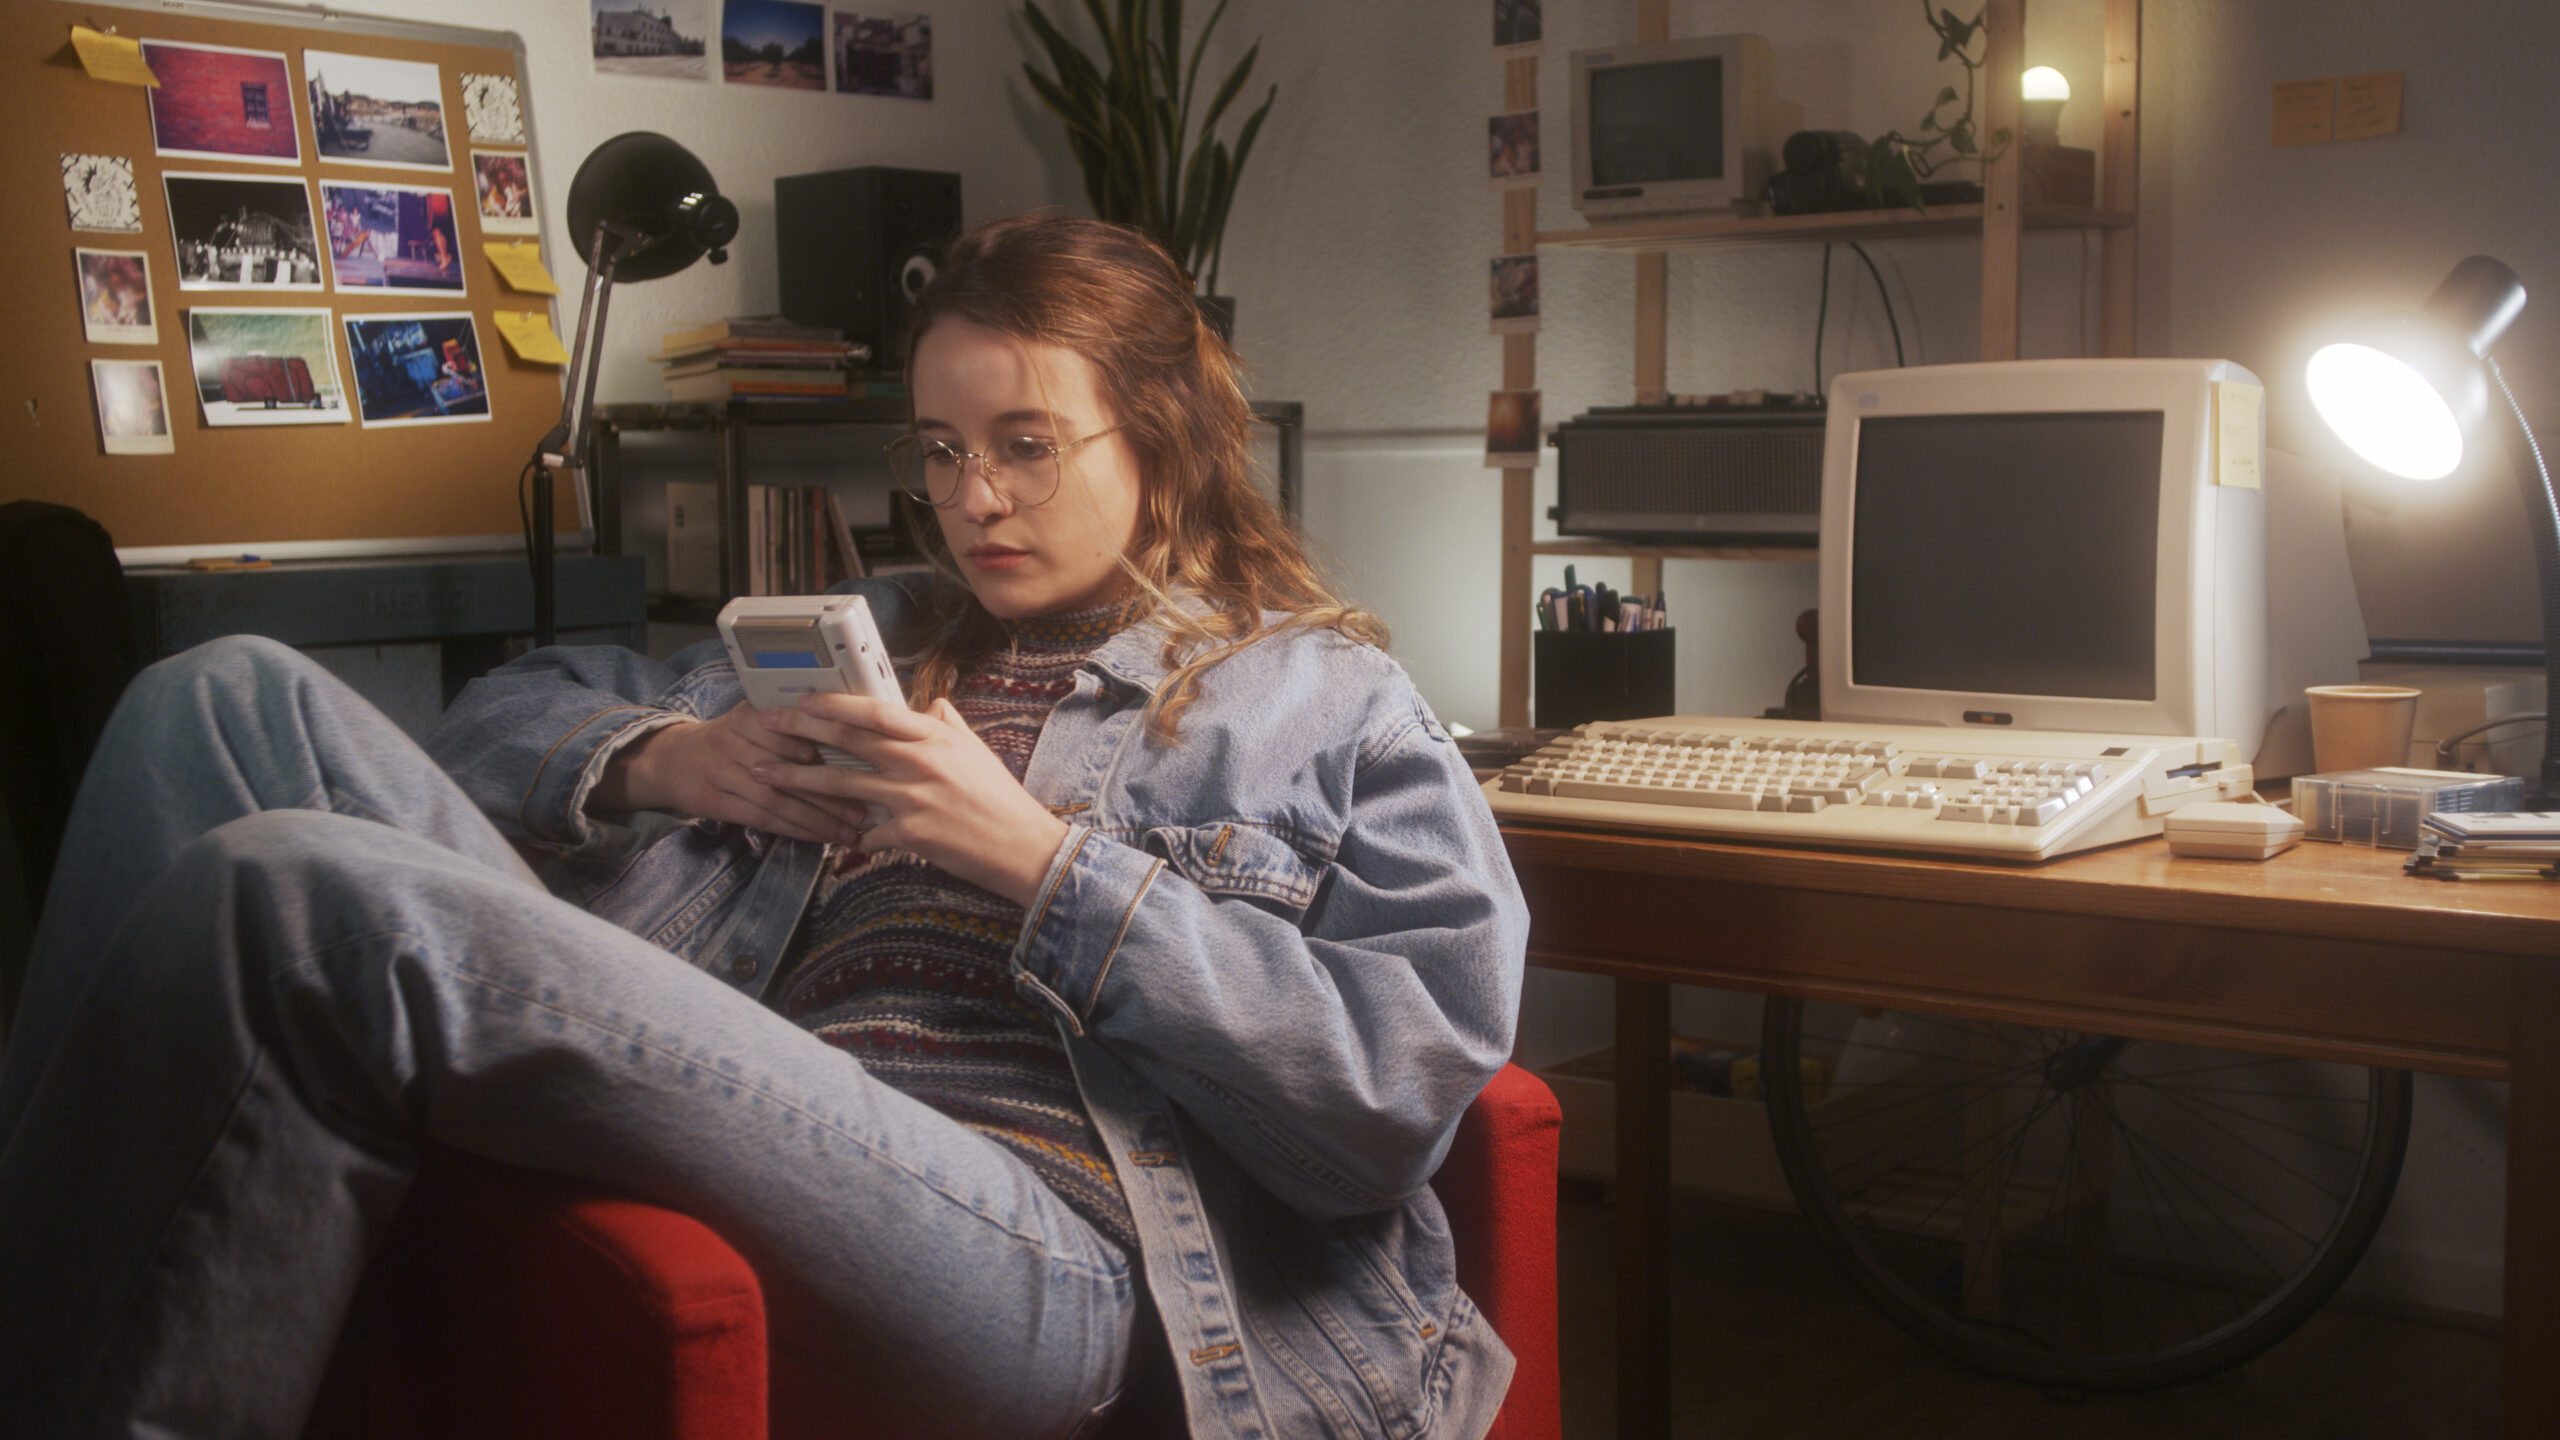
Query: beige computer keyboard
x=1990 y=794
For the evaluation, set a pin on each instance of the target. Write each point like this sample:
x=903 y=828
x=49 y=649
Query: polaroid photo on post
x=884 y=55
x=215 y=102
x=664 y=40
x=265 y=367
x=417 y=369
x=781 y=43
x=242 y=232
x=391 y=237
x=99 y=194
x=1511 y=150
x=133 y=407
x=1516 y=27
x=1511 y=430
x=115 y=297
x=366 y=110
x=505 y=189
x=490 y=109
x=1515 y=294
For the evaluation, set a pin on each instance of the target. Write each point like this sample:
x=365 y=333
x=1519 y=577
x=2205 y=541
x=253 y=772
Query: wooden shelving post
x=1519 y=372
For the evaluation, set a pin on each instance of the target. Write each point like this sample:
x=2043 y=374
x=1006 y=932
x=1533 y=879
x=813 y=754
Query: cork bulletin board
x=427 y=439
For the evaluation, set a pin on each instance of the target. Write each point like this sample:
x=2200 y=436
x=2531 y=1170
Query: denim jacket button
x=744 y=967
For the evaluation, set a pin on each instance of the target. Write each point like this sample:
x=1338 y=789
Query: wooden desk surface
x=2324 y=950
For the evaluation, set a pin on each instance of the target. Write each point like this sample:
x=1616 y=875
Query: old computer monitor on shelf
x=1675 y=125
x=2047 y=544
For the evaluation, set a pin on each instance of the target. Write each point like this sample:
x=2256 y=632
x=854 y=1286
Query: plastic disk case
x=2387 y=807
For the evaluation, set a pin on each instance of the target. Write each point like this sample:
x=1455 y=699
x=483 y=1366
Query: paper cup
x=2357 y=727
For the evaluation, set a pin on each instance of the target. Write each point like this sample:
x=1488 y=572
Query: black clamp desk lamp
x=2405 y=391
x=641 y=207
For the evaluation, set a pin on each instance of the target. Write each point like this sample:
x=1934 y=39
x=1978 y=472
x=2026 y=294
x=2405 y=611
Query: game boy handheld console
x=787 y=646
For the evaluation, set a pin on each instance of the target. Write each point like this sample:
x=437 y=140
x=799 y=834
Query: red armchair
x=509 y=1305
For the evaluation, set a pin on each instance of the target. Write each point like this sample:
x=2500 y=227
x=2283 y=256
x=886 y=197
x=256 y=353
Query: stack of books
x=2521 y=845
x=763 y=358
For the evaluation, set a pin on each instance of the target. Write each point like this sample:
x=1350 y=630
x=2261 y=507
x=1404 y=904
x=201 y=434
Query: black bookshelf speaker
x=855 y=248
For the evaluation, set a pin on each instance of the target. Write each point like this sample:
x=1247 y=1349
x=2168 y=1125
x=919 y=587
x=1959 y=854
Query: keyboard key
x=2041 y=814
x=1964 y=810
x=1963 y=769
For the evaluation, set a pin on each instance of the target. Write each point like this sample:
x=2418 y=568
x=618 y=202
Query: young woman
x=1098 y=1042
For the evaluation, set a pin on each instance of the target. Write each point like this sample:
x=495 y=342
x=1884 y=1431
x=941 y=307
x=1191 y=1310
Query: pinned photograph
x=664 y=39
x=884 y=55
x=242 y=232
x=133 y=407
x=1515 y=294
x=490 y=108
x=217 y=103
x=506 y=193
x=774 y=42
x=115 y=297
x=366 y=110
x=1511 y=150
x=392 y=237
x=417 y=369
x=1511 y=430
x=1516 y=26
x=99 y=193
x=266 y=367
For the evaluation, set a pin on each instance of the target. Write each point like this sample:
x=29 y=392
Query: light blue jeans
x=281 y=947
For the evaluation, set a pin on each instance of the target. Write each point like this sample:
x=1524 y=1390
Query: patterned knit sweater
x=908 y=968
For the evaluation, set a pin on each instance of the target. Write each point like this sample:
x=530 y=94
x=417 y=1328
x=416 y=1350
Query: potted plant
x=1128 y=116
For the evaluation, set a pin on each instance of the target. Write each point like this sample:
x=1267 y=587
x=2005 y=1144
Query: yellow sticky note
x=2303 y=111
x=519 y=263
x=2239 y=429
x=2369 y=106
x=109 y=56
x=529 y=334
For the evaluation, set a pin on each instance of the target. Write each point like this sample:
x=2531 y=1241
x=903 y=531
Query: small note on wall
x=2302 y=111
x=2359 y=107
x=109 y=56
x=2369 y=106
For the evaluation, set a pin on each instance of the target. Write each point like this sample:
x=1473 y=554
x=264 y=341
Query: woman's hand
x=705 y=769
x=937 y=789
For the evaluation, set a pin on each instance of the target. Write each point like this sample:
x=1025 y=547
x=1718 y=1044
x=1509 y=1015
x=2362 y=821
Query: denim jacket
x=1285 y=953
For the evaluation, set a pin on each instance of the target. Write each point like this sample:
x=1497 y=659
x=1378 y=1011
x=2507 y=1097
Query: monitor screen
x=1658 y=121
x=2007 y=554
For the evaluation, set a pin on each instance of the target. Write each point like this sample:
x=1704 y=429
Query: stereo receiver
x=1690 y=473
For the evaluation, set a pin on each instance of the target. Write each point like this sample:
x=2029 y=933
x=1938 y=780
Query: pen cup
x=1599 y=675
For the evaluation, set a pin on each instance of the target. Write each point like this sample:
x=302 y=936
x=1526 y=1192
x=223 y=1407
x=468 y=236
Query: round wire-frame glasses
x=1024 y=469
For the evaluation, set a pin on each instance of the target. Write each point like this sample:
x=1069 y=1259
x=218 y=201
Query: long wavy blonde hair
x=1111 y=295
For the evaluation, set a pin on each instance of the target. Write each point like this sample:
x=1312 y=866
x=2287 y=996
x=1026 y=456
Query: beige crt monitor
x=2047 y=545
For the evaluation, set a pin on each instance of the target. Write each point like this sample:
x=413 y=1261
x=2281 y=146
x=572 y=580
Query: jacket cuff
x=1073 y=931
x=554 y=809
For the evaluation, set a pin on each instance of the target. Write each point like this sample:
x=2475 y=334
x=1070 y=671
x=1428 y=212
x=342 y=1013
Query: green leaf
x=1227 y=92
x=1947 y=95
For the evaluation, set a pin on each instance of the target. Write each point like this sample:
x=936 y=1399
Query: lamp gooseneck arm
x=2534 y=476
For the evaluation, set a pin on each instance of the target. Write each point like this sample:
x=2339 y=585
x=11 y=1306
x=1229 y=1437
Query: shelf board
x=1606 y=548
x=1708 y=232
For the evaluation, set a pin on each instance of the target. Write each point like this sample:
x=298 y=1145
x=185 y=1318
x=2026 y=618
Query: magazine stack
x=762 y=358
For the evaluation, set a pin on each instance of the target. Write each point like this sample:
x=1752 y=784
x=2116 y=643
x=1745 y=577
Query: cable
x=1821 y=317
x=1887 y=297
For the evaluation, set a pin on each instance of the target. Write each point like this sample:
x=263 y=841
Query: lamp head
x=652 y=195
x=2404 y=390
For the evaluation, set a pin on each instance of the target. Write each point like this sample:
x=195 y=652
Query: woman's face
x=982 y=392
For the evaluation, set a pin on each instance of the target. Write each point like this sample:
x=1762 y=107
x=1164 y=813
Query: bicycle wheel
x=2079 y=1210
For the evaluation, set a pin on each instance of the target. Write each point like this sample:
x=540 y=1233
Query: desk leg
x=1644 y=1210
x=2532 y=1328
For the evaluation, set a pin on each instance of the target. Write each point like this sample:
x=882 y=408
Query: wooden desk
x=2324 y=952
